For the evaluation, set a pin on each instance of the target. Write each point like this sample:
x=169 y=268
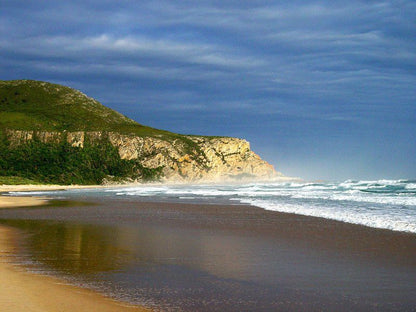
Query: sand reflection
x=73 y=248
x=88 y=249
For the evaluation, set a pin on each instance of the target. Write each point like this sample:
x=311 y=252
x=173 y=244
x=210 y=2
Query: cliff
x=210 y=159
x=53 y=113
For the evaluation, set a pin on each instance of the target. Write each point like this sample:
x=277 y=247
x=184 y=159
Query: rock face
x=209 y=159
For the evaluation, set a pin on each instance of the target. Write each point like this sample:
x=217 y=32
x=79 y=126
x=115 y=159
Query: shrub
x=62 y=163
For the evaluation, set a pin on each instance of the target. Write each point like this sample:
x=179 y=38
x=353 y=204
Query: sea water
x=387 y=204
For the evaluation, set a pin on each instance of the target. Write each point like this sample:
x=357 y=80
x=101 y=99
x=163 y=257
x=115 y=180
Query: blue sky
x=321 y=89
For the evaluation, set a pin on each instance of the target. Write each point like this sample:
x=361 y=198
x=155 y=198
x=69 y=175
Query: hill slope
x=37 y=105
x=55 y=115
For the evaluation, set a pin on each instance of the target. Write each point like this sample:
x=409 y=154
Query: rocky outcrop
x=192 y=159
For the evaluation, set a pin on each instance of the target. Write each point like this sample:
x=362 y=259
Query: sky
x=323 y=90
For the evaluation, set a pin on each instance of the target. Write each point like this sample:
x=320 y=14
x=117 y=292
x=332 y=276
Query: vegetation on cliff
x=41 y=106
x=62 y=163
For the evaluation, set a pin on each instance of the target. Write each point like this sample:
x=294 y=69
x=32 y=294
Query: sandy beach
x=204 y=257
x=21 y=201
x=49 y=187
x=24 y=291
x=26 y=201
x=30 y=201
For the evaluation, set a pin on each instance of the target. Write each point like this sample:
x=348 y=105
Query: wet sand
x=199 y=257
x=23 y=291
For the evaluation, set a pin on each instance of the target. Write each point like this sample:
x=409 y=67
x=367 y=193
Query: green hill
x=43 y=106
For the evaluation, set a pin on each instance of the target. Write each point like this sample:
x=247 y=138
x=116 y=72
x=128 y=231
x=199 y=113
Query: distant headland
x=51 y=133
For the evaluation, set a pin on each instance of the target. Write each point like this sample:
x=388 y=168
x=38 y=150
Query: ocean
x=386 y=204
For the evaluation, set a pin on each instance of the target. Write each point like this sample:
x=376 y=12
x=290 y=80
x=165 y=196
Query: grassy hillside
x=43 y=106
x=37 y=105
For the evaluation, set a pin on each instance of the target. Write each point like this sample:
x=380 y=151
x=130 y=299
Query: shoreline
x=50 y=187
x=7 y=201
x=29 y=200
x=44 y=187
x=22 y=290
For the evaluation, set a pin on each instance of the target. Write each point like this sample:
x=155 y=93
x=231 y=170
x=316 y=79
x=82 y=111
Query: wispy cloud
x=333 y=62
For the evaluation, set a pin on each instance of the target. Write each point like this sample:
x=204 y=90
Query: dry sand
x=19 y=201
x=28 y=187
x=27 y=201
x=24 y=291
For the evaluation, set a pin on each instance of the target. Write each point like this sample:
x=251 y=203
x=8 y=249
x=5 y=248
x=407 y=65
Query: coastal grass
x=16 y=180
x=42 y=106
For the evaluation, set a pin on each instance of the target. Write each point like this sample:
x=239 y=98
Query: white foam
x=29 y=193
x=371 y=218
x=410 y=186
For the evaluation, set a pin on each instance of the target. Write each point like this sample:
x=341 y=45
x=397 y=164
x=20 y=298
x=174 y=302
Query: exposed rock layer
x=210 y=159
